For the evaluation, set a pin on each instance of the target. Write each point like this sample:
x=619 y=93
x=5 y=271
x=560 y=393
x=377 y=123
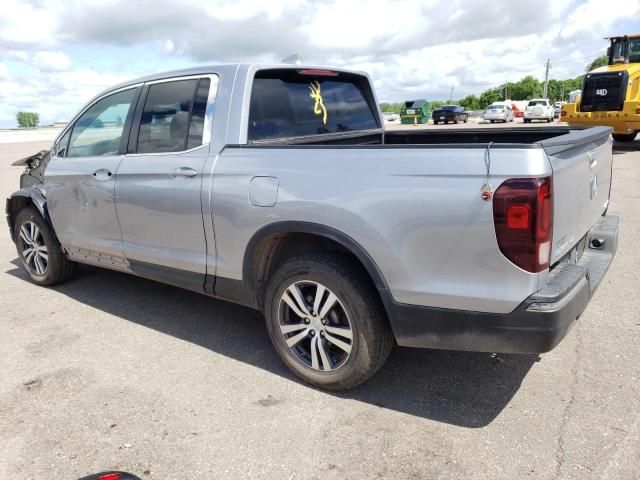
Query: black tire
x=466 y=119
x=435 y=123
x=372 y=339
x=58 y=267
x=526 y=120
x=624 y=137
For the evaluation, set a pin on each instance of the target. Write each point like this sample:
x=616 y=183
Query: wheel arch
x=265 y=248
x=21 y=199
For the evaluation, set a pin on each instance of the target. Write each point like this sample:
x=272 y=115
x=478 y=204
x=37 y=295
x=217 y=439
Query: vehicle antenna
x=486 y=192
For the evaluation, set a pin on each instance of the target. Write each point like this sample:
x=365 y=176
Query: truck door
x=80 y=179
x=159 y=182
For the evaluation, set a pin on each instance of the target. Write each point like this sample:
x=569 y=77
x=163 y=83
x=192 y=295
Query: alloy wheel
x=315 y=326
x=33 y=248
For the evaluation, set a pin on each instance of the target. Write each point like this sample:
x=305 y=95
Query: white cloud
x=51 y=61
x=169 y=47
x=57 y=54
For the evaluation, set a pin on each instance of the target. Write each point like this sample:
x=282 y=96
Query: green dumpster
x=415 y=112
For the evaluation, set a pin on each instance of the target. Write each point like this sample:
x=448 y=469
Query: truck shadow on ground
x=459 y=388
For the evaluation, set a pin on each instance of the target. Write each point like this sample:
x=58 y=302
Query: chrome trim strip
x=166 y=153
x=209 y=111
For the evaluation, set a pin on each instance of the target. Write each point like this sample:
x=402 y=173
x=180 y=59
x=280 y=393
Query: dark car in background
x=450 y=113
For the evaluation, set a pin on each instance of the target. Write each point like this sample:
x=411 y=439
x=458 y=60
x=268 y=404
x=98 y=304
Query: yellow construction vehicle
x=611 y=94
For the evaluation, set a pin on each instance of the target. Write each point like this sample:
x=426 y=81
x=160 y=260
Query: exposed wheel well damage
x=275 y=244
x=21 y=200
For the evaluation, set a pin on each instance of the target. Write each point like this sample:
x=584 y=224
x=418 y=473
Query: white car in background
x=499 y=112
x=390 y=117
x=538 y=109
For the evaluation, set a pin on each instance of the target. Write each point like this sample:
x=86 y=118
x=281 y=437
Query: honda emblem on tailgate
x=602 y=92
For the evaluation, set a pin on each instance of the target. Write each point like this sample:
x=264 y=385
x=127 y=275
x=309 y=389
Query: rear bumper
x=529 y=116
x=447 y=117
x=498 y=118
x=536 y=326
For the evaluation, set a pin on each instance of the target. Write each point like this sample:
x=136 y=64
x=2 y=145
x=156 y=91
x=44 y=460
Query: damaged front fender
x=25 y=197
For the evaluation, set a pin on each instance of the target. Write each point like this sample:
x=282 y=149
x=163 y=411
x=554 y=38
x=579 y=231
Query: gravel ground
x=110 y=371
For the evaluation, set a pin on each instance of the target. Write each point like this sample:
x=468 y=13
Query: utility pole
x=451 y=96
x=546 y=79
x=506 y=90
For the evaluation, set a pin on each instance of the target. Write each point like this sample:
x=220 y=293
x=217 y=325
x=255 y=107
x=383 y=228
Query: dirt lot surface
x=110 y=371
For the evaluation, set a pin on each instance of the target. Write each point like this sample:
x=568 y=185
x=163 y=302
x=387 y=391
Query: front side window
x=98 y=131
x=173 y=116
x=290 y=103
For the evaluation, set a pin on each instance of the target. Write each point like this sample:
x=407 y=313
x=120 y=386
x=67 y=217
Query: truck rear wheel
x=39 y=251
x=326 y=321
x=622 y=137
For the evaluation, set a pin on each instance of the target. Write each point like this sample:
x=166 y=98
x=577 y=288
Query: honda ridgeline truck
x=277 y=187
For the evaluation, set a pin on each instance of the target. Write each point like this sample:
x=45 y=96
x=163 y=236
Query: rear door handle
x=184 y=172
x=102 y=174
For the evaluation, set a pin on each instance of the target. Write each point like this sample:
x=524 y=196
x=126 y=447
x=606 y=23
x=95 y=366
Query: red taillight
x=563 y=113
x=110 y=476
x=312 y=71
x=518 y=217
x=523 y=218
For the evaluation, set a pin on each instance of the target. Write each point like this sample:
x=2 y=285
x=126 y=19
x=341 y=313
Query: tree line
x=525 y=89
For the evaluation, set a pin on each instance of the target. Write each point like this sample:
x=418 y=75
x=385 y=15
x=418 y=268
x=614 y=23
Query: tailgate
x=581 y=161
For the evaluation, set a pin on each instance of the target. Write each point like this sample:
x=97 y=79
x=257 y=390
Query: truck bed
x=439 y=137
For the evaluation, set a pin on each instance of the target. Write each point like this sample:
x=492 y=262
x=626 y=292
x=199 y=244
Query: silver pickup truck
x=277 y=187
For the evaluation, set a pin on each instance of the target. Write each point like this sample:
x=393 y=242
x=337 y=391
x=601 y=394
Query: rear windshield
x=291 y=103
x=495 y=107
x=449 y=107
x=533 y=103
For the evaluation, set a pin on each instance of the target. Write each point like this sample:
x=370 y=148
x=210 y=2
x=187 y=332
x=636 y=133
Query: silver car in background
x=499 y=112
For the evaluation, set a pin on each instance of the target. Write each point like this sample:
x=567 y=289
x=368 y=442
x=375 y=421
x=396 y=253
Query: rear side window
x=290 y=103
x=173 y=116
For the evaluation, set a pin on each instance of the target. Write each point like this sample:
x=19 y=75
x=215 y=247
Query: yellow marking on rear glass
x=318 y=107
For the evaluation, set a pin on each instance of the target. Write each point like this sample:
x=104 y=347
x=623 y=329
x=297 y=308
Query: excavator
x=610 y=94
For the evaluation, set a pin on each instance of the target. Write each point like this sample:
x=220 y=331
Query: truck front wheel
x=624 y=137
x=326 y=321
x=40 y=253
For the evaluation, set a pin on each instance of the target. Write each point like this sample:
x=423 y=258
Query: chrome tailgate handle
x=184 y=172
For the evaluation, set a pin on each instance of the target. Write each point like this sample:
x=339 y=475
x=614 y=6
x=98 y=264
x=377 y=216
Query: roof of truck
x=220 y=68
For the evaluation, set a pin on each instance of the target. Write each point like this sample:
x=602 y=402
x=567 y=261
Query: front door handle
x=102 y=174
x=184 y=172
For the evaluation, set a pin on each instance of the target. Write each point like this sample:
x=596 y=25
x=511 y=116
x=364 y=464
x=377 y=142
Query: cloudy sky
x=55 y=55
